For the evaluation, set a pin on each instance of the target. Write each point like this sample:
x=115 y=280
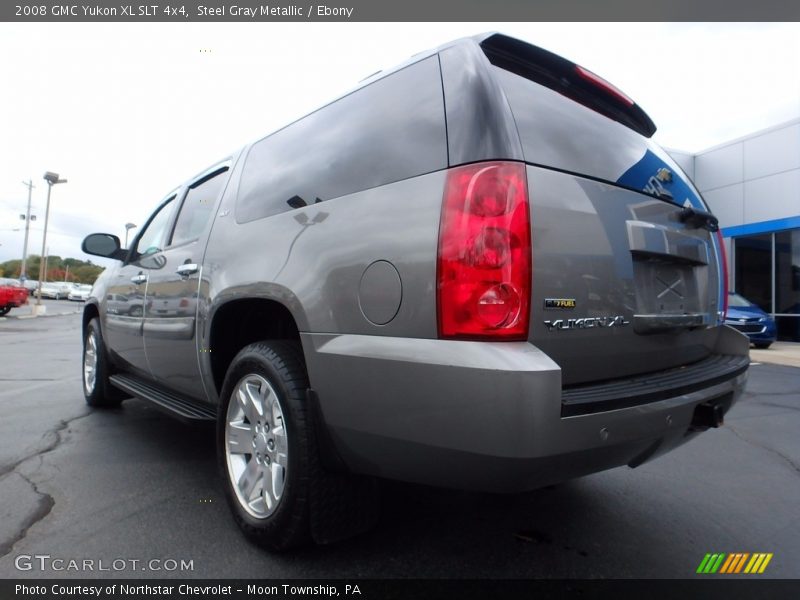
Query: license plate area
x=670 y=271
x=665 y=288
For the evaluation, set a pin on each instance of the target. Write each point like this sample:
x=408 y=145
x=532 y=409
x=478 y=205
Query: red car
x=12 y=294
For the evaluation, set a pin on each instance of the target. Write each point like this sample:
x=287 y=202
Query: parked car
x=80 y=293
x=476 y=270
x=12 y=294
x=54 y=291
x=31 y=285
x=120 y=304
x=748 y=318
x=172 y=305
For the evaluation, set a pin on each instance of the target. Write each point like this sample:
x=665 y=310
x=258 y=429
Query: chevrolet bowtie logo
x=664 y=175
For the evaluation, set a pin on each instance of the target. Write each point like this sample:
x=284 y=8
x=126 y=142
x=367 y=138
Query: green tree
x=80 y=271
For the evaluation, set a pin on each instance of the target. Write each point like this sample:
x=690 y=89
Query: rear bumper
x=484 y=416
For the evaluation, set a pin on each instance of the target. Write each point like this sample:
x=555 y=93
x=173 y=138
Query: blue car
x=748 y=318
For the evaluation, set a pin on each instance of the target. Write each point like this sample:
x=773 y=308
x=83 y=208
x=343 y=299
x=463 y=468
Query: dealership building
x=752 y=184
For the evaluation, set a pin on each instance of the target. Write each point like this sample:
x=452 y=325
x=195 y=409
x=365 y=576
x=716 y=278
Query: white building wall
x=685 y=161
x=772 y=152
x=772 y=197
x=727 y=204
x=751 y=179
x=719 y=167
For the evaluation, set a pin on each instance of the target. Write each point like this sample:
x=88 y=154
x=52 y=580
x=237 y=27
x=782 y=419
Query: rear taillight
x=183 y=303
x=484 y=260
x=723 y=274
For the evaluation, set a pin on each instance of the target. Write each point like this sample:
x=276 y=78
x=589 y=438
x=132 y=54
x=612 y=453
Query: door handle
x=187 y=269
x=140 y=278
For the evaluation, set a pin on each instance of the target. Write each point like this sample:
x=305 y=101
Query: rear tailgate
x=623 y=282
x=620 y=285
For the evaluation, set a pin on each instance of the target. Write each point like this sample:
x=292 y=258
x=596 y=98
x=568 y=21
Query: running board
x=174 y=404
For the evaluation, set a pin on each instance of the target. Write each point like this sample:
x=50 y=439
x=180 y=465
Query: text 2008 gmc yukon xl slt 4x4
x=475 y=270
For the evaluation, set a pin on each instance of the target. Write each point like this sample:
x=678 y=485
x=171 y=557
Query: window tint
x=389 y=130
x=738 y=301
x=153 y=236
x=197 y=207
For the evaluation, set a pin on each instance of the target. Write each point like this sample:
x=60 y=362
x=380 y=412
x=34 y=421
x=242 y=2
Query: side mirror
x=105 y=245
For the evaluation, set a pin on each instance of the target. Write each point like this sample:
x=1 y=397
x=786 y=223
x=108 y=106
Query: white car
x=53 y=291
x=80 y=293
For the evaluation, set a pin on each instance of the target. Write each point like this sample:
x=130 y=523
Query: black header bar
x=193 y=11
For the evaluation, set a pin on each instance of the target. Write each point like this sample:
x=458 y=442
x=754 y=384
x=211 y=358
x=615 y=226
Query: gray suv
x=476 y=270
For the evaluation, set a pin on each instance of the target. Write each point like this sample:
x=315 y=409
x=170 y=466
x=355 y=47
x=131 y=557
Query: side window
x=387 y=131
x=197 y=207
x=151 y=239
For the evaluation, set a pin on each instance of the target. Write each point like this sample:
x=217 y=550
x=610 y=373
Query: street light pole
x=128 y=227
x=23 y=273
x=51 y=179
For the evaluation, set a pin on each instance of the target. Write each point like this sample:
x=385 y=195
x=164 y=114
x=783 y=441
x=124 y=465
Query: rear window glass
x=736 y=300
x=388 y=131
x=559 y=133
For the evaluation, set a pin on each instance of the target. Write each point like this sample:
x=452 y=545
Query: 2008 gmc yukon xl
x=475 y=270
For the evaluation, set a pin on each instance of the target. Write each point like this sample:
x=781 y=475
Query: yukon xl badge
x=586 y=323
x=559 y=303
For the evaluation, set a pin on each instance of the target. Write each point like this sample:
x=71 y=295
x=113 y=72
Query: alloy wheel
x=256 y=446
x=90 y=364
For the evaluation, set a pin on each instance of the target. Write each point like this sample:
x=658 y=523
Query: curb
x=61 y=314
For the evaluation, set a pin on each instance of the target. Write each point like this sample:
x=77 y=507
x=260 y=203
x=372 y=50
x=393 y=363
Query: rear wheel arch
x=238 y=323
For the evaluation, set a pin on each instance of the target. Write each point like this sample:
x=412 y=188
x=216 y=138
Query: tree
x=80 y=271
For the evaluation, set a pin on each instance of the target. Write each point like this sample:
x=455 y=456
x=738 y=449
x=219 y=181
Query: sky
x=127 y=111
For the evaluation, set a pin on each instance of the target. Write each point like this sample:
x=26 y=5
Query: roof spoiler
x=566 y=78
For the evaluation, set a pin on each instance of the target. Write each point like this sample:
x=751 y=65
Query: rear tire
x=268 y=452
x=4 y=310
x=264 y=444
x=97 y=390
x=763 y=345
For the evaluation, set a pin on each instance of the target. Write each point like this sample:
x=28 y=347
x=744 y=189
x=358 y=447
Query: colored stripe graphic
x=741 y=562
x=718 y=563
x=734 y=563
x=766 y=562
x=726 y=567
x=710 y=564
x=703 y=563
x=754 y=563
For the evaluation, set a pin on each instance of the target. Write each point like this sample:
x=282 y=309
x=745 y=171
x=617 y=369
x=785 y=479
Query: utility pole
x=23 y=273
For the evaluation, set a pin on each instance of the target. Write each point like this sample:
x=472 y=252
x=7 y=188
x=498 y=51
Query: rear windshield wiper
x=696 y=218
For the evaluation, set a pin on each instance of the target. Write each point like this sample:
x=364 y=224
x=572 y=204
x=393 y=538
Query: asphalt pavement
x=133 y=485
x=53 y=308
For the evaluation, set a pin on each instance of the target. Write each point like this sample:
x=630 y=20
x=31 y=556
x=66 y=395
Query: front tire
x=4 y=310
x=762 y=345
x=97 y=390
x=265 y=444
